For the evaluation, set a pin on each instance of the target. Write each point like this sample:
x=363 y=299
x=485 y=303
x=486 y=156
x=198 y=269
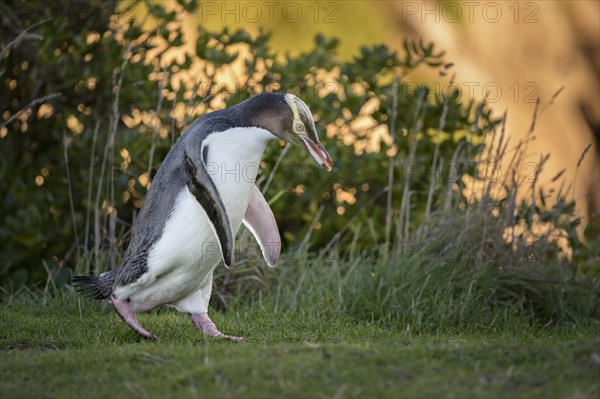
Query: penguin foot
x=124 y=311
x=206 y=326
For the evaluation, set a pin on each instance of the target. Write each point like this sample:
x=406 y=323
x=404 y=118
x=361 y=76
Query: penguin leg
x=126 y=313
x=196 y=304
x=206 y=326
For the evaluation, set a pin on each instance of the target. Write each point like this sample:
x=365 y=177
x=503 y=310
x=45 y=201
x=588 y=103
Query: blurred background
x=509 y=53
x=94 y=94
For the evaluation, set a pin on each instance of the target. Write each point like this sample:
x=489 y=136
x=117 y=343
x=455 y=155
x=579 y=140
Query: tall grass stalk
x=90 y=187
x=70 y=190
x=157 y=124
x=434 y=162
x=393 y=112
x=404 y=214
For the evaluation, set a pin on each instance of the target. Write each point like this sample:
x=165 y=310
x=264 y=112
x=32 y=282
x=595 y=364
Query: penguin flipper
x=260 y=221
x=203 y=188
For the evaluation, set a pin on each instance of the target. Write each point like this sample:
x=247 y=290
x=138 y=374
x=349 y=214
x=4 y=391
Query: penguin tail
x=96 y=287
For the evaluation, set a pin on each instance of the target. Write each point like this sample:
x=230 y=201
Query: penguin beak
x=319 y=153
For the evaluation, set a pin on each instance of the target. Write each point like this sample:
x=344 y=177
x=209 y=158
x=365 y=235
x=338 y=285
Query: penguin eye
x=299 y=126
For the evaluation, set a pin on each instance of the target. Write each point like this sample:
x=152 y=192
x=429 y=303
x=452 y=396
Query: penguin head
x=303 y=133
x=289 y=119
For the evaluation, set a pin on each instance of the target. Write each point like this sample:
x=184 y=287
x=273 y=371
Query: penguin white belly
x=188 y=250
x=233 y=161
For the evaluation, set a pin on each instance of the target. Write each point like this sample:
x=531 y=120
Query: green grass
x=77 y=348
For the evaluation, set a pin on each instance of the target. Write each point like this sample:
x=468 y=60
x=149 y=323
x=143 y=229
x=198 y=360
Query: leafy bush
x=105 y=113
x=92 y=105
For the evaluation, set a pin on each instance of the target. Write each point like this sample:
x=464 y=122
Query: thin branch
x=279 y=159
x=30 y=105
x=24 y=35
x=312 y=226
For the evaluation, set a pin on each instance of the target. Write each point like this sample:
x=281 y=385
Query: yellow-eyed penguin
x=202 y=193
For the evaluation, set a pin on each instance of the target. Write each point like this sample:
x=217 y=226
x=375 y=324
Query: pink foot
x=205 y=325
x=124 y=310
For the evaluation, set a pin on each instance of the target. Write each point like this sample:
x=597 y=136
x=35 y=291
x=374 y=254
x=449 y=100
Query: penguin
x=202 y=193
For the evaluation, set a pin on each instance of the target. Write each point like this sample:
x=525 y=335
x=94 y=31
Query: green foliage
x=102 y=71
x=411 y=243
x=79 y=56
x=74 y=177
